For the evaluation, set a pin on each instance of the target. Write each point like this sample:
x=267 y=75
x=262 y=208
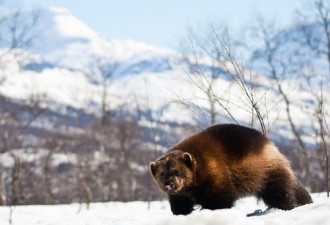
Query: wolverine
x=222 y=163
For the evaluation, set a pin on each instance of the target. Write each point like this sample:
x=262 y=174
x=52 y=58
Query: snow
x=73 y=27
x=35 y=155
x=137 y=213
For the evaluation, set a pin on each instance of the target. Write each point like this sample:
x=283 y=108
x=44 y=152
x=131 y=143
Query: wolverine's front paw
x=181 y=205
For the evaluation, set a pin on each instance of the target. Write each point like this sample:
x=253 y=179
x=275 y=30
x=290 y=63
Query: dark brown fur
x=222 y=163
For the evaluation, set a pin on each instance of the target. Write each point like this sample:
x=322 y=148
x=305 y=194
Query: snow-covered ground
x=137 y=213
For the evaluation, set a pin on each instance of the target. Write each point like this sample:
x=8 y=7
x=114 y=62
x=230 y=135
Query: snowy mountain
x=61 y=40
x=63 y=57
x=66 y=61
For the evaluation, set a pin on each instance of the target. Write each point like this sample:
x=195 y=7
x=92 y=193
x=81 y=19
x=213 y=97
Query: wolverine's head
x=174 y=172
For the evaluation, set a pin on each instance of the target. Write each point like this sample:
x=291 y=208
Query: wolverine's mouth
x=172 y=188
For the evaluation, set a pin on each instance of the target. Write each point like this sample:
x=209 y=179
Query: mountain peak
x=67 y=24
x=57 y=9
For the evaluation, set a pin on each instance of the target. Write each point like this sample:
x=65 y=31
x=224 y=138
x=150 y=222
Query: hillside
x=91 y=112
x=65 y=60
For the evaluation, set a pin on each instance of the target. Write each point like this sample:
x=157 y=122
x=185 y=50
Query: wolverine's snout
x=169 y=187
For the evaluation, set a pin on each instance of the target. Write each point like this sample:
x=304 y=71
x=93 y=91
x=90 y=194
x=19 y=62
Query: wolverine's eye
x=177 y=173
x=161 y=177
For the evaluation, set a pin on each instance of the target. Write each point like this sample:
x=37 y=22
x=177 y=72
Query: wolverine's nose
x=169 y=187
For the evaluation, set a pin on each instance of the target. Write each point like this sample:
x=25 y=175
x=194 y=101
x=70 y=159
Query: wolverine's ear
x=153 y=168
x=187 y=158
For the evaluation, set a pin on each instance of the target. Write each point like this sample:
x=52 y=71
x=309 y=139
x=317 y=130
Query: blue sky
x=163 y=23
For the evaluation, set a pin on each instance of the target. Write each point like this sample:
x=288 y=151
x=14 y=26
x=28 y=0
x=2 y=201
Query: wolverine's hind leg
x=301 y=194
x=279 y=189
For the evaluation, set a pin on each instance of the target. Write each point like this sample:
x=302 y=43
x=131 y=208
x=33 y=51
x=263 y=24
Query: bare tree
x=103 y=69
x=15 y=179
x=17 y=119
x=204 y=77
x=3 y=199
x=226 y=65
x=277 y=70
x=281 y=61
x=317 y=38
x=20 y=29
x=151 y=146
x=19 y=34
